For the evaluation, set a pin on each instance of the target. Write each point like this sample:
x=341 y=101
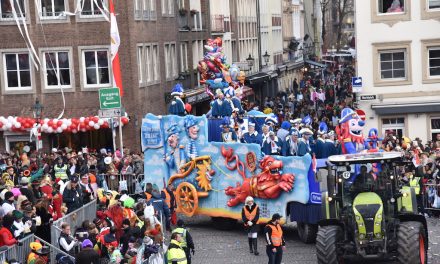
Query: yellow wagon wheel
x=187 y=198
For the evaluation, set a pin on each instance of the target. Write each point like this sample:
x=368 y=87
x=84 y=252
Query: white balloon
x=91 y=123
x=74 y=131
x=10 y=118
x=45 y=126
x=49 y=130
x=17 y=125
x=69 y=122
x=101 y=122
x=81 y=119
x=46 y=120
x=96 y=126
x=59 y=130
x=55 y=120
x=2 y=119
x=8 y=125
x=63 y=126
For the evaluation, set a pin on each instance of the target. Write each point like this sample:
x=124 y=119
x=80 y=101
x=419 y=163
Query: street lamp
x=266 y=57
x=250 y=62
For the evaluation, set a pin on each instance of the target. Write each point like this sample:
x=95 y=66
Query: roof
x=359 y=158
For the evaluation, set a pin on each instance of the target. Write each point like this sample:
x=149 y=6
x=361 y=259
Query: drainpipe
x=260 y=64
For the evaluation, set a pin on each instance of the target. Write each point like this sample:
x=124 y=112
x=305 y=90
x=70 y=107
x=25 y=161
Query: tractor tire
x=411 y=243
x=326 y=240
x=307 y=232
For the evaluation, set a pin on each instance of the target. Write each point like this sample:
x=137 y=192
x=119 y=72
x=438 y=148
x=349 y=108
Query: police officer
x=187 y=243
x=250 y=215
x=175 y=253
x=275 y=240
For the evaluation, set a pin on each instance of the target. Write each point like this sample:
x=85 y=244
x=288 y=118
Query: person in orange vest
x=275 y=240
x=169 y=198
x=250 y=215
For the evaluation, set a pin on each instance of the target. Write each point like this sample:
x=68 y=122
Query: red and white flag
x=115 y=42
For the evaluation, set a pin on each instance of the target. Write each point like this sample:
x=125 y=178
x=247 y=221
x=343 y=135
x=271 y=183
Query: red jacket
x=57 y=203
x=6 y=237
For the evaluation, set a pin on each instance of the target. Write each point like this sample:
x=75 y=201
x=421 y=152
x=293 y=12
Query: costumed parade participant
x=290 y=146
x=220 y=106
x=228 y=135
x=252 y=136
x=250 y=215
x=321 y=148
x=304 y=142
x=177 y=106
x=272 y=145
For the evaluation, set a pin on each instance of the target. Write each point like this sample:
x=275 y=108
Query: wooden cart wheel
x=187 y=198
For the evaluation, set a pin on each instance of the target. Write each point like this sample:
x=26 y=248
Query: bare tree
x=324 y=9
x=343 y=8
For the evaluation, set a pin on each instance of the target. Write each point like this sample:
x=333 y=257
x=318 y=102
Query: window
x=430 y=9
x=145 y=9
x=148 y=64
x=96 y=69
x=170 y=61
x=51 y=9
x=390 y=11
x=391 y=6
x=395 y=125
x=183 y=56
x=167 y=7
x=7 y=6
x=57 y=69
x=92 y=8
x=392 y=63
x=435 y=128
x=431 y=60
x=17 y=71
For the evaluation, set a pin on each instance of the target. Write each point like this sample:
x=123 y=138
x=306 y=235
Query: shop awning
x=196 y=95
x=259 y=77
x=406 y=108
x=247 y=91
x=294 y=65
x=317 y=64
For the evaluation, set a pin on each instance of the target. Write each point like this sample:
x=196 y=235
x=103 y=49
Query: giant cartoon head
x=353 y=122
x=173 y=136
x=192 y=129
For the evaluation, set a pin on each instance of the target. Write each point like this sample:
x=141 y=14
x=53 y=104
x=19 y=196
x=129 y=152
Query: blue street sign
x=356 y=81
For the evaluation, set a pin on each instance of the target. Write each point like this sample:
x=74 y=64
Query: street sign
x=109 y=113
x=361 y=114
x=368 y=97
x=109 y=98
x=356 y=84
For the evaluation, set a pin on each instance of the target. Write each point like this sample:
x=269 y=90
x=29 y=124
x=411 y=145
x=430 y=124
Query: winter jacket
x=73 y=197
x=87 y=256
x=6 y=237
x=159 y=205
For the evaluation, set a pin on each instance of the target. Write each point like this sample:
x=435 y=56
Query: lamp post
x=266 y=57
x=37 y=110
x=250 y=61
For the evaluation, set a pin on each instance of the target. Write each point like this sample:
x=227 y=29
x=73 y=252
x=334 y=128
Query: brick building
x=154 y=52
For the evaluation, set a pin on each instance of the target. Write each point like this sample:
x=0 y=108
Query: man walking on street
x=275 y=240
x=250 y=215
x=175 y=253
x=187 y=243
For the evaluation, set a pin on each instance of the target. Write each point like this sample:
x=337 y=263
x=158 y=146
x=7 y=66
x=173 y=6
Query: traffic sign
x=109 y=98
x=367 y=97
x=356 y=84
x=109 y=113
x=361 y=114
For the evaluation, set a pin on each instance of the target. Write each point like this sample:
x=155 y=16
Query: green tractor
x=368 y=216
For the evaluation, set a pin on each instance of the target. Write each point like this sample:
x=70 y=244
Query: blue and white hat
x=307 y=120
x=172 y=130
x=226 y=122
x=347 y=114
x=251 y=122
x=218 y=92
x=294 y=132
x=272 y=119
x=323 y=128
x=306 y=131
x=229 y=92
x=190 y=122
x=296 y=121
x=177 y=89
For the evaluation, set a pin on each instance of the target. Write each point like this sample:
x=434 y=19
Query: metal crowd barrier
x=21 y=253
x=132 y=183
x=140 y=254
x=431 y=198
x=74 y=219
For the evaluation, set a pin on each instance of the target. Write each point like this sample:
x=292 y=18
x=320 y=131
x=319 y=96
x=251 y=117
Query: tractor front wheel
x=412 y=245
x=306 y=232
x=326 y=240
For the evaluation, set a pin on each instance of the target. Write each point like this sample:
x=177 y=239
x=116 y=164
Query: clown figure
x=192 y=130
x=176 y=155
x=350 y=132
x=177 y=106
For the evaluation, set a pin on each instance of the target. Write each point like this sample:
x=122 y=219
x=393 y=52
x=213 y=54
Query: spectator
x=6 y=237
x=8 y=204
x=87 y=255
x=66 y=242
x=73 y=195
x=160 y=206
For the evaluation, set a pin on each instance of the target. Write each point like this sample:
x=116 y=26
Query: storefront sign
x=151 y=134
x=368 y=97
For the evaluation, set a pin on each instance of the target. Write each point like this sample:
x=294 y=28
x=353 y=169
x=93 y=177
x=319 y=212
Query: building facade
x=398 y=54
x=73 y=42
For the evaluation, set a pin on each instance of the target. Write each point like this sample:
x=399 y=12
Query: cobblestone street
x=214 y=246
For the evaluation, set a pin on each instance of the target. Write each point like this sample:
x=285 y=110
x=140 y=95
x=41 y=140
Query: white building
x=270 y=30
x=221 y=24
x=398 y=54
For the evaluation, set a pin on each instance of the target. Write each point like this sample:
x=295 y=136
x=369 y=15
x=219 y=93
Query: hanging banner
x=151 y=134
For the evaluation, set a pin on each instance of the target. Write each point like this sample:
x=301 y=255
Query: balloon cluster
x=215 y=72
x=47 y=125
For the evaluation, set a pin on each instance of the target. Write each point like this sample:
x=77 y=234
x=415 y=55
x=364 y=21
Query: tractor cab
x=367 y=210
